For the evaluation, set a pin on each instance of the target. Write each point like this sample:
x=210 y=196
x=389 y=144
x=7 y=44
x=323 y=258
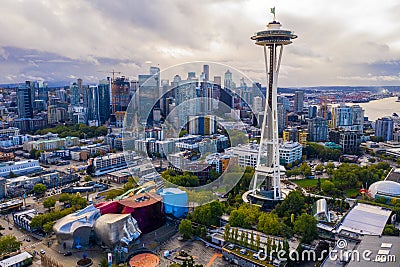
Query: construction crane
x=324 y=105
x=113 y=72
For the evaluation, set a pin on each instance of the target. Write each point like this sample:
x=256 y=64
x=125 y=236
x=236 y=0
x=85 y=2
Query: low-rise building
x=246 y=154
x=290 y=152
x=219 y=162
x=19 y=260
x=19 y=167
x=11 y=131
x=51 y=144
x=24 y=218
x=113 y=162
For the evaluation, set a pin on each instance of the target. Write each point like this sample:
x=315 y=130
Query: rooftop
x=385 y=246
x=141 y=200
x=365 y=219
x=15 y=259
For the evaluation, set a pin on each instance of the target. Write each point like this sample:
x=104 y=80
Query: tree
x=48 y=227
x=236 y=238
x=32 y=153
x=9 y=244
x=39 y=189
x=245 y=216
x=268 y=247
x=293 y=204
x=252 y=240
x=391 y=230
x=269 y=224
x=242 y=237
x=64 y=197
x=12 y=174
x=182 y=133
x=236 y=218
x=130 y=184
x=90 y=170
x=319 y=168
x=227 y=233
x=306 y=227
x=49 y=203
x=88 y=178
x=114 y=193
x=329 y=188
x=208 y=214
x=186 y=229
x=258 y=242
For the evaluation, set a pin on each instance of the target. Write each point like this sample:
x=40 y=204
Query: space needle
x=266 y=180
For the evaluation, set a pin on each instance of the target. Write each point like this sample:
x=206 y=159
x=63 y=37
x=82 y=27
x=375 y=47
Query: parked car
x=42 y=251
x=68 y=253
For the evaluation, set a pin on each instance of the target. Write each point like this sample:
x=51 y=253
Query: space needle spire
x=266 y=180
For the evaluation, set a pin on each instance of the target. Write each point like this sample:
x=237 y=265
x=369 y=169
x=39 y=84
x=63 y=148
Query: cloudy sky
x=340 y=42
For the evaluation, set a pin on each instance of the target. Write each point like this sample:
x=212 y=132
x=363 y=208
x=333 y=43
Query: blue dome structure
x=385 y=189
x=175 y=202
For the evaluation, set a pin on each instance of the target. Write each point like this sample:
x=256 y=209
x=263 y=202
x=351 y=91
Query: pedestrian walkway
x=213 y=258
x=32 y=245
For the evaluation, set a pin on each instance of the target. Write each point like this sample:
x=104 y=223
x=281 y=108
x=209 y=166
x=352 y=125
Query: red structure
x=146 y=208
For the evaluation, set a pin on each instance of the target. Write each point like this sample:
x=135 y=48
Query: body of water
x=380 y=108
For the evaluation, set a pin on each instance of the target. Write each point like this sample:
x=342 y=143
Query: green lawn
x=352 y=193
x=119 y=190
x=306 y=182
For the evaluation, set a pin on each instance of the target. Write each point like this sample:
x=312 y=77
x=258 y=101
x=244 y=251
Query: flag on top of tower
x=273 y=11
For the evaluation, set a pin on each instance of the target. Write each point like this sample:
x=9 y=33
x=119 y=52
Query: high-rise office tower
x=257 y=104
x=298 y=101
x=61 y=95
x=43 y=90
x=74 y=95
x=175 y=83
x=267 y=173
x=282 y=114
x=149 y=88
x=90 y=102
x=103 y=95
x=25 y=98
x=185 y=95
x=348 y=118
x=206 y=71
x=228 y=81
x=120 y=94
x=79 y=83
x=284 y=101
x=384 y=128
x=312 y=112
x=318 y=129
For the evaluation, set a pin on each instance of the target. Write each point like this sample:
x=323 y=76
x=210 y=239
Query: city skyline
x=340 y=43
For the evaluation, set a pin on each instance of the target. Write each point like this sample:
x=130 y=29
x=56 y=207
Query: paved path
x=213 y=258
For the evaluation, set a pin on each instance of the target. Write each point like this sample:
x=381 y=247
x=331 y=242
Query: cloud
x=53 y=39
x=3 y=53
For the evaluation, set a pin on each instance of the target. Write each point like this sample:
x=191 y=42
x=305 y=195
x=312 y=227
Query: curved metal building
x=114 y=229
x=75 y=230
